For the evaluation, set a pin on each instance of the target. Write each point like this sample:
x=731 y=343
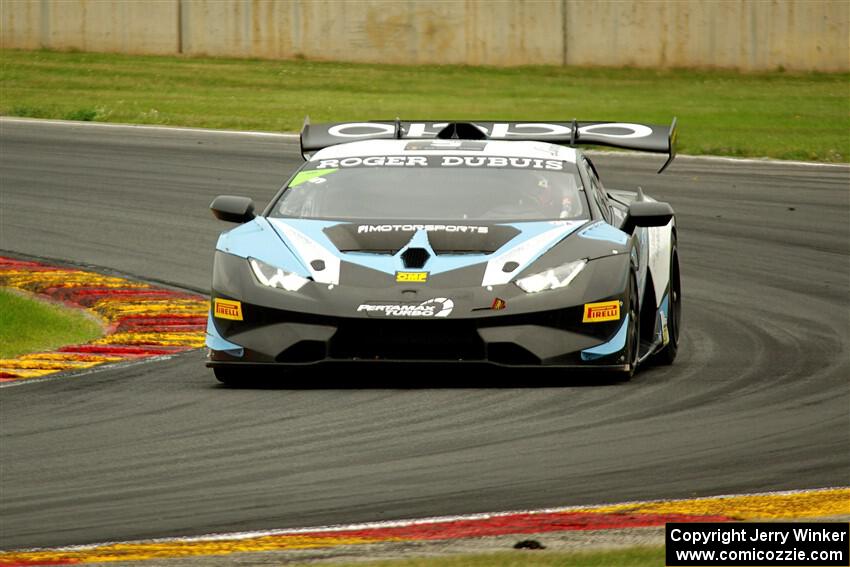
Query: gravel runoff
x=597 y=540
x=566 y=541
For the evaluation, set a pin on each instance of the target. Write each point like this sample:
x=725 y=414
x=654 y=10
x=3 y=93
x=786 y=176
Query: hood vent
x=415 y=257
x=361 y=237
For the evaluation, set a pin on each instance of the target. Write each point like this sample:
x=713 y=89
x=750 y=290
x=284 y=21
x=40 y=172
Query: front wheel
x=227 y=376
x=632 y=350
x=667 y=355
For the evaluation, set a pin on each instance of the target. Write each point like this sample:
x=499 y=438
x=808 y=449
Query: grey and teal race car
x=449 y=242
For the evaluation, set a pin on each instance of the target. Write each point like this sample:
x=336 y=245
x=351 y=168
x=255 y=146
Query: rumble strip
x=142 y=320
x=828 y=502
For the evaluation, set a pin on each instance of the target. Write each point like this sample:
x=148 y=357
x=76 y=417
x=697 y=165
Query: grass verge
x=630 y=557
x=29 y=325
x=781 y=115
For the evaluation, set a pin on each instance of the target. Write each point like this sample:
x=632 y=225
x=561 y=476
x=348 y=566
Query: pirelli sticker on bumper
x=411 y=277
x=600 y=312
x=228 y=309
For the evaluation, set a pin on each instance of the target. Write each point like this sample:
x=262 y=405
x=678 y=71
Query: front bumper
x=530 y=340
x=322 y=324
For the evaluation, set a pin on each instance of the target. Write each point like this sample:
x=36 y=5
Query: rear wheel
x=667 y=355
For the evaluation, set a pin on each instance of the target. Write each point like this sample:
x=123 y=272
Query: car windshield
x=486 y=188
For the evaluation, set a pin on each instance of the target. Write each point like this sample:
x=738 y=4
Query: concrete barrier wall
x=471 y=32
x=743 y=34
x=126 y=26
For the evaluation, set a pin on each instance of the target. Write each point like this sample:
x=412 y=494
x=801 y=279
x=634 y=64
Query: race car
x=491 y=243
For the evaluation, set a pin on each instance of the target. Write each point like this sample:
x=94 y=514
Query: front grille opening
x=395 y=340
x=415 y=257
x=510 y=353
x=304 y=351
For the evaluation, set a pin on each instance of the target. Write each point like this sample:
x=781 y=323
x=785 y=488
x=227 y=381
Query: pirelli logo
x=227 y=309
x=599 y=312
x=411 y=277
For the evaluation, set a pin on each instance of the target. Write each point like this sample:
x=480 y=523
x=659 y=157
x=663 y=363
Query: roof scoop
x=461 y=131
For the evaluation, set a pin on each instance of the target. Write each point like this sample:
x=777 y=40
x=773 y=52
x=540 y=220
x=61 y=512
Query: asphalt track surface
x=758 y=399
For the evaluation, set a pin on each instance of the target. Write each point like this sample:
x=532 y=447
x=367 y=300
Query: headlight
x=552 y=279
x=275 y=277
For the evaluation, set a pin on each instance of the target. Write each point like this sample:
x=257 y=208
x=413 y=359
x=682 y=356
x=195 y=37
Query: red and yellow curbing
x=773 y=506
x=142 y=320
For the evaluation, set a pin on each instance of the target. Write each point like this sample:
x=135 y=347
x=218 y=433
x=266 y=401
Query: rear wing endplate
x=641 y=137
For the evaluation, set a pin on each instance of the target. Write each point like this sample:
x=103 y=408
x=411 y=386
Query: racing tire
x=227 y=376
x=667 y=354
x=633 y=336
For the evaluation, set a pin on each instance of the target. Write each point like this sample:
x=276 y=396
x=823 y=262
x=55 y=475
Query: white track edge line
x=403 y=523
x=292 y=136
x=117 y=125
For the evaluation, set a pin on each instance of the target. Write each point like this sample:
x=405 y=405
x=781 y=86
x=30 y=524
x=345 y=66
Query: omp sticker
x=227 y=309
x=411 y=277
x=603 y=311
x=303 y=176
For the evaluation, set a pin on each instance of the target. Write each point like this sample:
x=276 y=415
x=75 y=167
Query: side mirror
x=232 y=209
x=646 y=214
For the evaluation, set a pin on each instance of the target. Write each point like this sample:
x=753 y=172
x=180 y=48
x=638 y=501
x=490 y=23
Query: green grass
x=777 y=114
x=631 y=557
x=30 y=325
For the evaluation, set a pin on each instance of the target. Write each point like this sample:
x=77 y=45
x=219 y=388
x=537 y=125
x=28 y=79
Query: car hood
x=319 y=248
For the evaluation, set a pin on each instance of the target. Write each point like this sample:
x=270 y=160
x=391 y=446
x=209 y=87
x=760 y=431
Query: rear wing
x=642 y=137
